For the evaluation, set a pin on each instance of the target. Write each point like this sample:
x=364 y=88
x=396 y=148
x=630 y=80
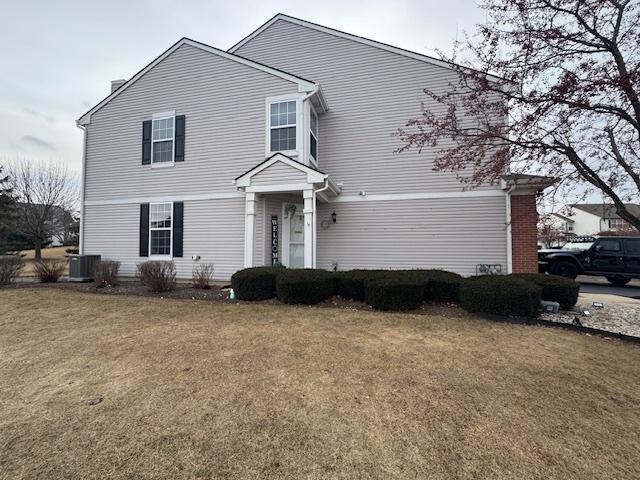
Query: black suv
x=617 y=258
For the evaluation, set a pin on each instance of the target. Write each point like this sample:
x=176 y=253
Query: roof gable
x=311 y=174
x=355 y=38
x=605 y=211
x=304 y=85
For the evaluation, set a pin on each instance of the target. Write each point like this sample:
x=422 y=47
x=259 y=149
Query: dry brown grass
x=200 y=390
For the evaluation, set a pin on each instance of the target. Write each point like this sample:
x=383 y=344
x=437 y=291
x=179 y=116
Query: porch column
x=309 y=227
x=249 y=228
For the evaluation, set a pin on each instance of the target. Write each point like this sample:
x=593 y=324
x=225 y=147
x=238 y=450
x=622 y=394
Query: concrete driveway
x=600 y=286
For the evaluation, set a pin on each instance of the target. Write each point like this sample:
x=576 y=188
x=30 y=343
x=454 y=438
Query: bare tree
x=43 y=192
x=548 y=232
x=563 y=100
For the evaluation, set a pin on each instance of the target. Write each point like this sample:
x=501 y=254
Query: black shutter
x=146 y=142
x=178 y=217
x=180 y=138
x=144 y=229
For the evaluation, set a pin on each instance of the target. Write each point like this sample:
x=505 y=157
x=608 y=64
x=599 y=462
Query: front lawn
x=191 y=389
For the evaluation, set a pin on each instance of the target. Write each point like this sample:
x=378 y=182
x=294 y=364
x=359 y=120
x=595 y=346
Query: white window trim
x=156 y=256
x=163 y=116
x=312 y=112
x=299 y=115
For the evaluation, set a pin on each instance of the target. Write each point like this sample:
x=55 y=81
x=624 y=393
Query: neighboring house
x=593 y=218
x=282 y=149
x=562 y=223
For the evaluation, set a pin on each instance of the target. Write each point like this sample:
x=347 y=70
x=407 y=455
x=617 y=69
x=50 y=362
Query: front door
x=293 y=238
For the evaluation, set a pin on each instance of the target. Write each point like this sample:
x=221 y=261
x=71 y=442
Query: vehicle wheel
x=618 y=280
x=564 y=269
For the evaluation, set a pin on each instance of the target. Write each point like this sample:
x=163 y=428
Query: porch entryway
x=303 y=187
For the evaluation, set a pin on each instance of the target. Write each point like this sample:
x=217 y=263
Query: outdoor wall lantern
x=334 y=217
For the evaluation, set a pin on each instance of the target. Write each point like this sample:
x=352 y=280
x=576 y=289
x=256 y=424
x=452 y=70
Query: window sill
x=163 y=165
x=288 y=153
x=160 y=257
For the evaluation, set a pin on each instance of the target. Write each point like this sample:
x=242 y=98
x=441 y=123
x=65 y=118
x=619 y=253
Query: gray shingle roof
x=606 y=211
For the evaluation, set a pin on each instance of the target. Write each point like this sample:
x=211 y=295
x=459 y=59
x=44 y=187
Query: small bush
x=49 y=270
x=554 y=288
x=201 y=276
x=500 y=295
x=10 y=267
x=72 y=251
x=395 y=293
x=105 y=273
x=305 y=285
x=159 y=276
x=257 y=283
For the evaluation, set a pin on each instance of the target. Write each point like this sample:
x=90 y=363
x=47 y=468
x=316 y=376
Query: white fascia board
x=313 y=176
x=303 y=85
x=355 y=38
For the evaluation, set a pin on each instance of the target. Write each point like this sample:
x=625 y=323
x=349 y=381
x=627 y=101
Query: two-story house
x=283 y=149
x=593 y=218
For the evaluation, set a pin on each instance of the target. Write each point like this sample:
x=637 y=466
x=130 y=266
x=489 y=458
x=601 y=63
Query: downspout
x=315 y=220
x=509 y=231
x=82 y=183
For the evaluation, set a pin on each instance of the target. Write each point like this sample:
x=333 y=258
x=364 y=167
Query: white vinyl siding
x=454 y=234
x=279 y=174
x=371 y=93
x=113 y=232
x=225 y=105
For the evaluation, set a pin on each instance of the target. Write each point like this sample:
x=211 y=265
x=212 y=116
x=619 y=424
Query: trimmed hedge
x=395 y=293
x=554 y=288
x=440 y=285
x=500 y=295
x=351 y=283
x=306 y=286
x=257 y=283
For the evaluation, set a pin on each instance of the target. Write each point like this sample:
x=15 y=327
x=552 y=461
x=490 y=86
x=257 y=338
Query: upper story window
x=313 y=134
x=282 y=126
x=162 y=139
x=160 y=225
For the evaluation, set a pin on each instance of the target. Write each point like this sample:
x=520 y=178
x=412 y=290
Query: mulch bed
x=218 y=294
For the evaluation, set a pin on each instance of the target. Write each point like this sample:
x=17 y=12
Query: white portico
x=278 y=177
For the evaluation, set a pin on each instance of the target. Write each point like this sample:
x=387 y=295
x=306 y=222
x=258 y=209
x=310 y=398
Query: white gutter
x=84 y=161
x=509 y=231
x=315 y=222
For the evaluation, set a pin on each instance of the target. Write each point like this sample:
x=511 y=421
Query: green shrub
x=440 y=285
x=395 y=293
x=500 y=295
x=350 y=283
x=257 y=283
x=159 y=276
x=554 y=288
x=10 y=267
x=305 y=285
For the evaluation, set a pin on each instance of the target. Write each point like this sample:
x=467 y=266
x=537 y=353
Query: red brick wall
x=524 y=233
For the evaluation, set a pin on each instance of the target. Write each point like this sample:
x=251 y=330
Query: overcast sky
x=58 y=57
